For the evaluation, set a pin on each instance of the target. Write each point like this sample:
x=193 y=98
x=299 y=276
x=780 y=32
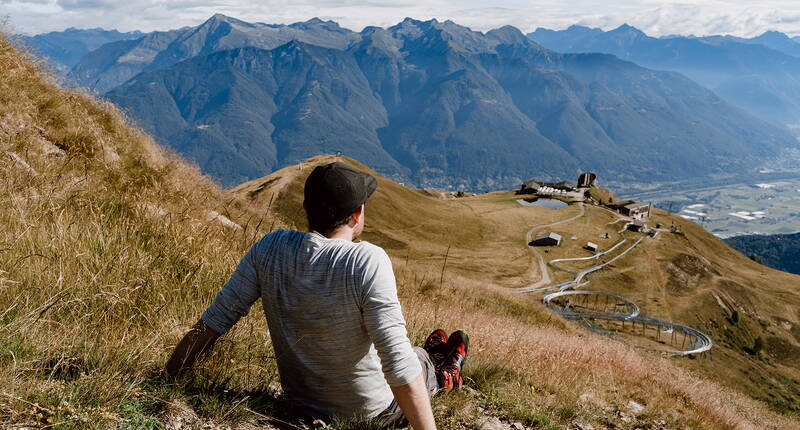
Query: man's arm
x=231 y=304
x=416 y=404
x=198 y=340
x=383 y=319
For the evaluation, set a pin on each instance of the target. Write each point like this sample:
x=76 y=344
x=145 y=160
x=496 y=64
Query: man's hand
x=416 y=404
x=198 y=340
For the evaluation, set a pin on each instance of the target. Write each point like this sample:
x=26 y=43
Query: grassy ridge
x=108 y=253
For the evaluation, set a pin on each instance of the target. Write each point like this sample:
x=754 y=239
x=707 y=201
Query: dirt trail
x=545 y=273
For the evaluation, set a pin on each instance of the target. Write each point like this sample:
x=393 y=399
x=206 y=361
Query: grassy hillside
x=479 y=241
x=695 y=278
x=109 y=251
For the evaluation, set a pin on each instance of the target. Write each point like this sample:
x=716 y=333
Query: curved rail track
x=598 y=309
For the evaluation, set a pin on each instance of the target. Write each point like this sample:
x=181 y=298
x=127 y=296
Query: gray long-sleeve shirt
x=334 y=319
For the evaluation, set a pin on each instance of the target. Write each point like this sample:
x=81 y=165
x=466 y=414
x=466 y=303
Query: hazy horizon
x=656 y=18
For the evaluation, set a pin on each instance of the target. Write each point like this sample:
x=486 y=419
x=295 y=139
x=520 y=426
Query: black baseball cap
x=334 y=191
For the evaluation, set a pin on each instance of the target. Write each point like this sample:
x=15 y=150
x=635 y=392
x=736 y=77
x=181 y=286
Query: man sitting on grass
x=333 y=314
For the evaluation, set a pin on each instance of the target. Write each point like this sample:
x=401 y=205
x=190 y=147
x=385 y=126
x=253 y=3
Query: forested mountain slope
x=779 y=251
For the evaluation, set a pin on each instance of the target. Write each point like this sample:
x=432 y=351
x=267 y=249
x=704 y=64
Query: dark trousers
x=393 y=417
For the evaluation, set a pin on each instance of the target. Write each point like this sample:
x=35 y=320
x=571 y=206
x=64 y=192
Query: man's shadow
x=208 y=398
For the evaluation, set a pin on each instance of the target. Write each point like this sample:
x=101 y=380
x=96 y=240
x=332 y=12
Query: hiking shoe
x=436 y=346
x=458 y=348
x=435 y=340
x=449 y=378
x=449 y=374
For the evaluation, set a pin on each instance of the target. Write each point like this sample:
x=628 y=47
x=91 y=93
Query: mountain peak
x=507 y=34
x=219 y=18
x=318 y=23
x=407 y=28
x=628 y=30
x=445 y=33
x=217 y=25
x=411 y=22
x=373 y=37
x=772 y=34
x=77 y=30
x=408 y=22
x=574 y=27
x=546 y=35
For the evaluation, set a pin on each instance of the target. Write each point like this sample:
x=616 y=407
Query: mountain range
x=759 y=74
x=115 y=63
x=64 y=49
x=771 y=39
x=430 y=103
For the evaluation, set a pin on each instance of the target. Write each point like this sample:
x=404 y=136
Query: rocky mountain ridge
x=434 y=104
x=107 y=68
x=64 y=49
x=756 y=74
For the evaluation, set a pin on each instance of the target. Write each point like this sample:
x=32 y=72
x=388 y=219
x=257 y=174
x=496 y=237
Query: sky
x=657 y=18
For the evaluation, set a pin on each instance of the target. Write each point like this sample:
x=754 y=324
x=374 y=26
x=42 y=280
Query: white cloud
x=656 y=17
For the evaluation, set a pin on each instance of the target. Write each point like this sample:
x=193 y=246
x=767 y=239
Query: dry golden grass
x=602 y=195
x=540 y=366
x=107 y=255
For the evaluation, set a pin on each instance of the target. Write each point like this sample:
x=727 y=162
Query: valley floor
x=762 y=204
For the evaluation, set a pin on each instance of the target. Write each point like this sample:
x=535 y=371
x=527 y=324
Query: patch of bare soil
x=782 y=349
x=180 y=416
x=686 y=273
x=737 y=292
x=796 y=331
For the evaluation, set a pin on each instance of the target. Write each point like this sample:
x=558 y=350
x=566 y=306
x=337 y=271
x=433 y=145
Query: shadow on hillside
x=210 y=400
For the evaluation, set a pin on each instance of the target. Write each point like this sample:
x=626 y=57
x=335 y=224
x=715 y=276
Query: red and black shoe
x=436 y=346
x=449 y=374
x=435 y=340
x=450 y=378
x=458 y=348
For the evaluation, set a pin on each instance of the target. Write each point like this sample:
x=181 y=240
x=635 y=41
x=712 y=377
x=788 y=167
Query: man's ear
x=356 y=217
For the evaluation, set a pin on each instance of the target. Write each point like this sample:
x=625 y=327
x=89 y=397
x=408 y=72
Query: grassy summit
x=110 y=248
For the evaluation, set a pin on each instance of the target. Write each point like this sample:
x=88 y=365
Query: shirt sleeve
x=237 y=295
x=383 y=319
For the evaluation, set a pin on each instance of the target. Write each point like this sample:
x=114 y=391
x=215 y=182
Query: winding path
x=545 y=278
x=555 y=294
